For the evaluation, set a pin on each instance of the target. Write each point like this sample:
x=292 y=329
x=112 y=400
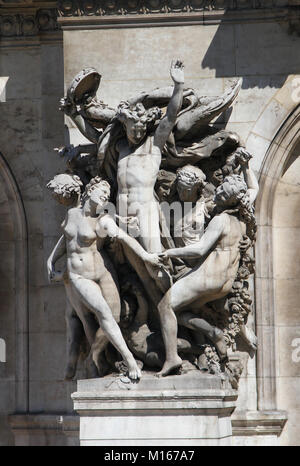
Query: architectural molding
x=258 y=423
x=144 y=7
x=20 y=236
x=29 y=18
x=275 y=161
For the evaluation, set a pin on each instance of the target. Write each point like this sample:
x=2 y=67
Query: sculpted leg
x=190 y=320
x=97 y=349
x=169 y=331
x=91 y=296
x=75 y=335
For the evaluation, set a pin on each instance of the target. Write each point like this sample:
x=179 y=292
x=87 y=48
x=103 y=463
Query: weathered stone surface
x=114 y=411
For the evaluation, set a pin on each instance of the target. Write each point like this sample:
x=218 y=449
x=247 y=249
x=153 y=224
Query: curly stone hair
x=243 y=207
x=191 y=175
x=93 y=182
x=137 y=113
x=65 y=187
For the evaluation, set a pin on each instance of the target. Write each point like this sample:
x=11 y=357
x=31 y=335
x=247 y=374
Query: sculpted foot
x=220 y=343
x=134 y=372
x=169 y=366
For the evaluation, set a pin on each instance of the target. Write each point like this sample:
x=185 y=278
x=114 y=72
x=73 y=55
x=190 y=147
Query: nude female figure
x=217 y=254
x=92 y=290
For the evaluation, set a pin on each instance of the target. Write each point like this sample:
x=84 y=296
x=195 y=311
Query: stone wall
x=130 y=59
x=32 y=376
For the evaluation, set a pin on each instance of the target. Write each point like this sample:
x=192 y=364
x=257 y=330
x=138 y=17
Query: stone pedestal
x=191 y=409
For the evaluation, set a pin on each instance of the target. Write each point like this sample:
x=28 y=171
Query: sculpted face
x=135 y=130
x=99 y=194
x=187 y=192
x=190 y=180
x=226 y=194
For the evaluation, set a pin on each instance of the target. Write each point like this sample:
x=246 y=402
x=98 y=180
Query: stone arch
x=276 y=160
x=13 y=234
x=271 y=119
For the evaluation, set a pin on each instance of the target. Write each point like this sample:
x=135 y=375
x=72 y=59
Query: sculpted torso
x=190 y=228
x=83 y=257
x=137 y=170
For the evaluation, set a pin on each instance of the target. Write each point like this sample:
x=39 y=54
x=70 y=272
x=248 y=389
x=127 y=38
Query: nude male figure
x=139 y=161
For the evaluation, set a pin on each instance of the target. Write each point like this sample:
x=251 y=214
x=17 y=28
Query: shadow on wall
x=262 y=53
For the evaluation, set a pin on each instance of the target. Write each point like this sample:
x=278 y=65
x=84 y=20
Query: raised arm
x=198 y=250
x=251 y=182
x=167 y=123
x=244 y=157
x=88 y=131
x=86 y=128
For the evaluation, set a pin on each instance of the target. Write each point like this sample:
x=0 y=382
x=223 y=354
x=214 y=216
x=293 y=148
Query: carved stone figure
x=168 y=257
x=217 y=257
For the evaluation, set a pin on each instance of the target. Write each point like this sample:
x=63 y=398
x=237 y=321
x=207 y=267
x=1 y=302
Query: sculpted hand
x=69 y=151
x=242 y=156
x=152 y=259
x=54 y=276
x=50 y=270
x=176 y=71
x=67 y=107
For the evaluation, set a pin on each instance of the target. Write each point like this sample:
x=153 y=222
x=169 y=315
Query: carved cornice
x=27 y=18
x=143 y=7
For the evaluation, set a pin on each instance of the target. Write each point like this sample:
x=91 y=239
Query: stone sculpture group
x=158 y=232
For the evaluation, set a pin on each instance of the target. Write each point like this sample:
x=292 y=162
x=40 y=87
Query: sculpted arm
x=243 y=157
x=86 y=128
x=212 y=234
x=167 y=123
x=251 y=182
x=109 y=227
x=58 y=251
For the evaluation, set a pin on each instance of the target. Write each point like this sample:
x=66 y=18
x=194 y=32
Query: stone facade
x=263 y=50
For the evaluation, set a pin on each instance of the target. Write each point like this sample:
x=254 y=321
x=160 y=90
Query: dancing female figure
x=92 y=289
x=218 y=256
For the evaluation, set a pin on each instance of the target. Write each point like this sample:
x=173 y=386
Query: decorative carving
x=118 y=7
x=179 y=283
x=15 y=25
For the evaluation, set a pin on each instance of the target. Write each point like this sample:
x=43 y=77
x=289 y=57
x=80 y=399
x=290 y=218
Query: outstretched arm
x=167 y=123
x=107 y=226
x=198 y=250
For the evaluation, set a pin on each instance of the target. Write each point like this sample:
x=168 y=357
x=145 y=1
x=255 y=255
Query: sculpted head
x=190 y=181
x=226 y=139
x=137 y=120
x=231 y=191
x=65 y=188
x=97 y=191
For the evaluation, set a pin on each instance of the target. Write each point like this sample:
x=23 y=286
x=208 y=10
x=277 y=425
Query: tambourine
x=86 y=82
